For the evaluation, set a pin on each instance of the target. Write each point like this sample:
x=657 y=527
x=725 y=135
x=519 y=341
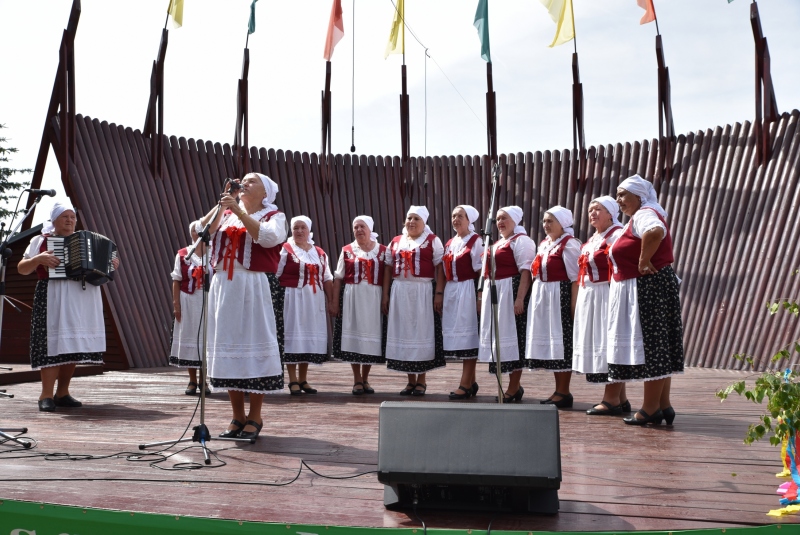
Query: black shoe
x=208 y=390
x=669 y=415
x=66 y=401
x=191 y=390
x=474 y=389
x=418 y=393
x=516 y=398
x=358 y=391
x=564 y=403
x=407 y=390
x=47 y=405
x=233 y=433
x=655 y=419
x=466 y=395
x=297 y=392
x=305 y=387
x=610 y=410
x=626 y=406
x=251 y=435
x=368 y=389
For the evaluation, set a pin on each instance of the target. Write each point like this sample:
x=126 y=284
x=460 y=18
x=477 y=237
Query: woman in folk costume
x=359 y=333
x=462 y=266
x=591 y=308
x=67 y=326
x=513 y=254
x=243 y=354
x=413 y=339
x=187 y=307
x=645 y=331
x=555 y=287
x=305 y=273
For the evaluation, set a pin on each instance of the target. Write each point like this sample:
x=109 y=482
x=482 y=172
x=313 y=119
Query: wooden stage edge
x=696 y=474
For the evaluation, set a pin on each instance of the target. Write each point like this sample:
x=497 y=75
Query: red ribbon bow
x=313 y=275
x=537 y=265
x=367 y=268
x=197 y=276
x=407 y=257
x=447 y=260
x=234 y=234
x=583 y=265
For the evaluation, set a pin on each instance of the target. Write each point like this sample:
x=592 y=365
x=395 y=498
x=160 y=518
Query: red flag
x=335 y=29
x=649 y=11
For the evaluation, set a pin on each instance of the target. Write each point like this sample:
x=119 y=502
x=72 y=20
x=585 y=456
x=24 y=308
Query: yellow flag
x=175 y=10
x=397 y=37
x=561 y=13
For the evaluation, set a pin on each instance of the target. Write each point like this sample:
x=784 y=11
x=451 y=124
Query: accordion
x=85 y=256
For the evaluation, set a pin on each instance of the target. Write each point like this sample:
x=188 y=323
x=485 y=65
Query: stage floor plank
x=697 y=474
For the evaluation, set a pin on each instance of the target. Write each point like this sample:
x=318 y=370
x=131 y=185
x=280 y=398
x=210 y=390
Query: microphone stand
x=201 y=433
x=488 y=260
x=5 y=254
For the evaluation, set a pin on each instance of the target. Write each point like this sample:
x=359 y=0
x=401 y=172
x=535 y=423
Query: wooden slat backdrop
x=734 y=224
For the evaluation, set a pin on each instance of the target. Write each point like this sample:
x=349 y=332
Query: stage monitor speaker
x=470 y=456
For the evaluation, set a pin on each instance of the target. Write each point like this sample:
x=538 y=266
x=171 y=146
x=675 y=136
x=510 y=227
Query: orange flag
x=649 y=11
x=335 y=29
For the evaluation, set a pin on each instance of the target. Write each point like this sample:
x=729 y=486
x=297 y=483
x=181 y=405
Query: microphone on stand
x=47 y=192
x=234 y=185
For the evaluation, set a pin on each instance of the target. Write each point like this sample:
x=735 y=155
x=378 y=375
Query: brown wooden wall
x=734 y=224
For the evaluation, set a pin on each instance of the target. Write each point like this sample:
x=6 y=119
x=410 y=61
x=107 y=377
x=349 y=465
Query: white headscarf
x=515 y=213
x=645 y=191
x=305 y=220
x=58 y=208
x=271 y=188
x=472 y=215
x=370 y=224
x=610 y=204
x=423 y=213
x=193 y=228
x=564 y=217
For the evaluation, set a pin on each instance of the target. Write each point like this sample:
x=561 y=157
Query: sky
x=708 y=48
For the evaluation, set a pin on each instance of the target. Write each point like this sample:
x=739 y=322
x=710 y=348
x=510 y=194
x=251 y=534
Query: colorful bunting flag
x=397 y=37
x=251 y=24
x=649 y=11
x=481 y=23
x=175 y=11
x=561 y=13
x=335 y=29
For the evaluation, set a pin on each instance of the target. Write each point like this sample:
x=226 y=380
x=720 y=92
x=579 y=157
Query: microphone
x=48 y=192
x=234 y=185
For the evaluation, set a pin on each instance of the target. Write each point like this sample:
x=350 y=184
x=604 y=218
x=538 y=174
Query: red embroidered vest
x=312 y=274
x=191 y=275
x=597 y=267
x=626 y=250
x=462 y=264
x=506 y=264
x=417 y=262
x=362 y=269
x=555 y=270
x=229 y=244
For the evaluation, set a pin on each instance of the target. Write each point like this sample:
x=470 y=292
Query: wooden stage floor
x=697 y=474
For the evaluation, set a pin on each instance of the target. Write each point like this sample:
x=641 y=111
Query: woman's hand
x=229 y=203
x=333 y=309
x=438 y=302
x=646 y=267
x=479 y=302
x=385 y=305
x=176 y=310
x=47 y=259
x=519 y=305
x=115 y=263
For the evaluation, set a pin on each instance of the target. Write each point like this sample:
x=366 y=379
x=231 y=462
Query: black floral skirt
x=597 y=378
x=462 y=354
x=305 y=358
x=277 y=306
x=662 y=330
x=349 y=356
x=424 y=366
x=39 y=357
x=256 y=385
x=565 y=365
x=175 y=361
x=521 y=321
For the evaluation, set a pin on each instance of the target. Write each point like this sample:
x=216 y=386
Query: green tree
x=7 y=183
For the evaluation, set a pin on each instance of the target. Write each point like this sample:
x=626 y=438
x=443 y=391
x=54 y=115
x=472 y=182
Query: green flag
x=482 y=24
x=251 y=24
